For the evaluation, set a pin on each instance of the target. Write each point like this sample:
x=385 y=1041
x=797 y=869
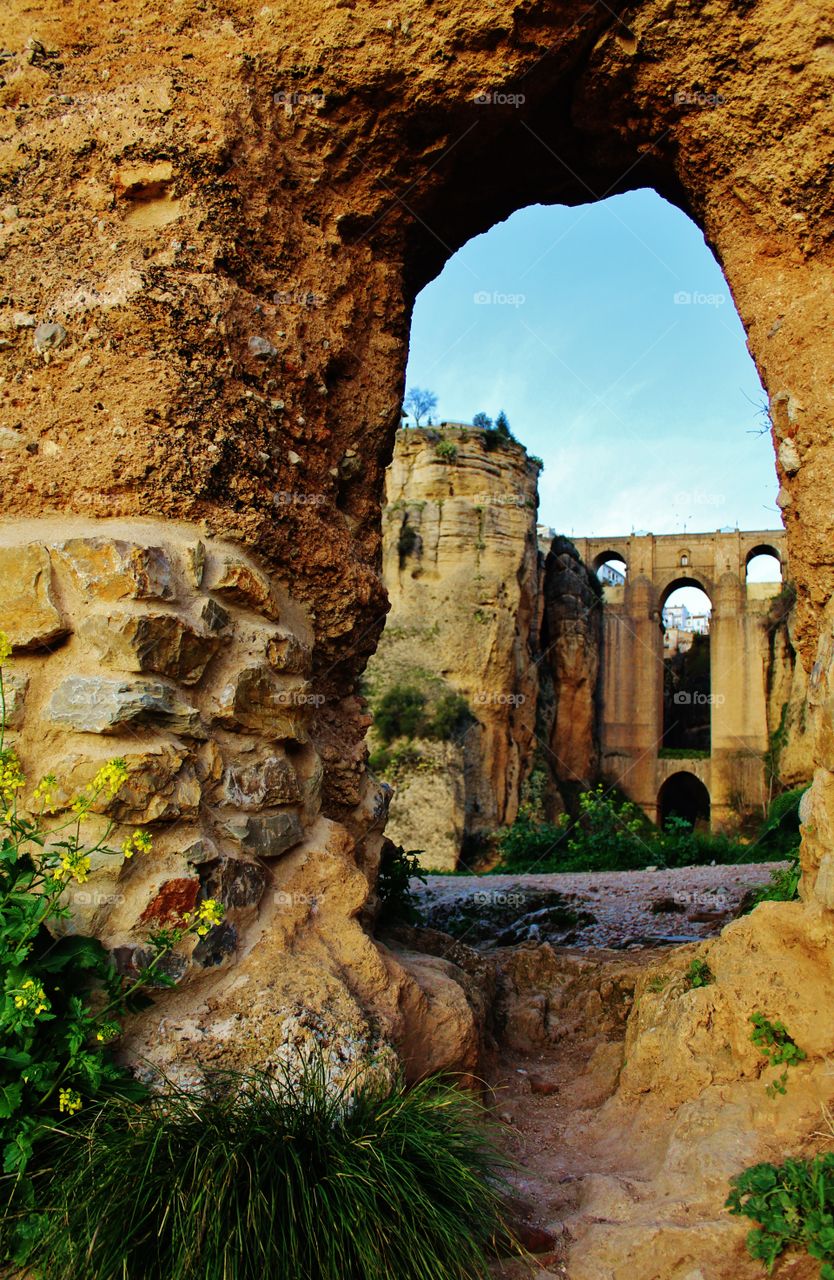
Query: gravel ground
x=626 y=908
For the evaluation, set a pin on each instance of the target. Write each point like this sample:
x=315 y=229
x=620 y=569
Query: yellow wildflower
x=69 y=1101
x=74 y=865
x=138 y=842
x=110 y=777
x=11 y=776
x=31 y=996
x=44 y=791
x=82 y=804
x=108 y=1031
x=5 y=647
x=209 y=912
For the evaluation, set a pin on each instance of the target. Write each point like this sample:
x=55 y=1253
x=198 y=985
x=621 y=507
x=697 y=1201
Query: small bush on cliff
x=450 y=718
x=400 y=712
x=446 y=450
x=285 y=1176
x=779 y=1047
x=793 y=1205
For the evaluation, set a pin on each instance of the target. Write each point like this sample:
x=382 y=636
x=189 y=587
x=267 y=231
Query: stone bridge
x=632 y=718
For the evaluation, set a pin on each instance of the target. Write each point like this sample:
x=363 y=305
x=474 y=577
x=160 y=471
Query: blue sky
x=608 y=335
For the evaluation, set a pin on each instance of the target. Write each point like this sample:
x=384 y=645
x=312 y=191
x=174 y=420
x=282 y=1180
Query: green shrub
x=611 y=834
x=398 y=902
x=450 y=718
x=400 y=713
x=793 y=1204
x=529 y=846
x=783 y=885
x=779 y=835
x=447 y=450
x=276 y=1176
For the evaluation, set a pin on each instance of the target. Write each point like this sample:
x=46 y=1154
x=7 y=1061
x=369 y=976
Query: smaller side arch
x=684 y=795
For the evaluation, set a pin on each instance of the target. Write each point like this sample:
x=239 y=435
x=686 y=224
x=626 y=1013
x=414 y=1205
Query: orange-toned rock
x=29 y=614
x=162 y=643
x=111 y=569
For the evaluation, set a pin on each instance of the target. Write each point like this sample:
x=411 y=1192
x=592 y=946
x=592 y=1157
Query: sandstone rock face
x=477 y=611
x=208 y=706
x=143 y=403
x=570 y=644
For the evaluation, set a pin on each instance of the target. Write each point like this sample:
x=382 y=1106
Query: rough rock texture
x=180 y=180
x=223 y=775
x=791 y=736
x=460 y=563
x=477 y=610
x=570 y=644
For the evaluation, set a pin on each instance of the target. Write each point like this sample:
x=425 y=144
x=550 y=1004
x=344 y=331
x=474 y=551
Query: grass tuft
x=275 y=1176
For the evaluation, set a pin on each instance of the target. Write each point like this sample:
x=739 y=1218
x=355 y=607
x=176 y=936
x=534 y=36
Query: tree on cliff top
x=502 y=426
x=482 y=421
x=419 y=402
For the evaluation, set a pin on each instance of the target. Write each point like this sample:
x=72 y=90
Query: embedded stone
x=214 y=616
x=48 y=336
x=96 y=704
x=162 y=643
x=267 y=835
x=195 y=562
x=254 y=699
x=173 y=900
x=10 y=439
x=245 y=585
x=236 y=882
x=132 y=960
x=15 y=685
x=285 y=652
x=160 y=784
x=110 y=569
x=30 y=616
x=263 y=784
x=218 y=944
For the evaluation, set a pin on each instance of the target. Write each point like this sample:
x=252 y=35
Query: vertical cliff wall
x=477 y=613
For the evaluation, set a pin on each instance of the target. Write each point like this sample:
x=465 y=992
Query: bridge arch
x=763 y=563
x=684 y=794
x=690 y=579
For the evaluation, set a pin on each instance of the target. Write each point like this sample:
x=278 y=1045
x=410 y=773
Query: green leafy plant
x=292 y=1175
x=779 y=1047
x=783 y=885
x=793 y=1204
x=450 y=717
x=698 y=974
x=61 y=998
x=446 y=450
x=397 y=869
x=400 y=712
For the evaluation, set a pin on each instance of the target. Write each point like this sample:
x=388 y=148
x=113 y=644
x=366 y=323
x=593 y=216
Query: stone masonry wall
x=152 y=641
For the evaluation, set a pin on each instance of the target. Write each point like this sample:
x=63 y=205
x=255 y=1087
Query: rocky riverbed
x=616 y=909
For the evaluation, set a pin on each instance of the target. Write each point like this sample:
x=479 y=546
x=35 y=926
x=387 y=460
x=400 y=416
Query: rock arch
x=214 y=228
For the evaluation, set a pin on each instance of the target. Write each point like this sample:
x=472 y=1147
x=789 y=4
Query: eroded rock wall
x=478 y=610
x=460 y=563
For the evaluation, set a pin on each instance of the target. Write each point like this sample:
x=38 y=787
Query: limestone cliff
x=478 y=612
x=792 y=756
